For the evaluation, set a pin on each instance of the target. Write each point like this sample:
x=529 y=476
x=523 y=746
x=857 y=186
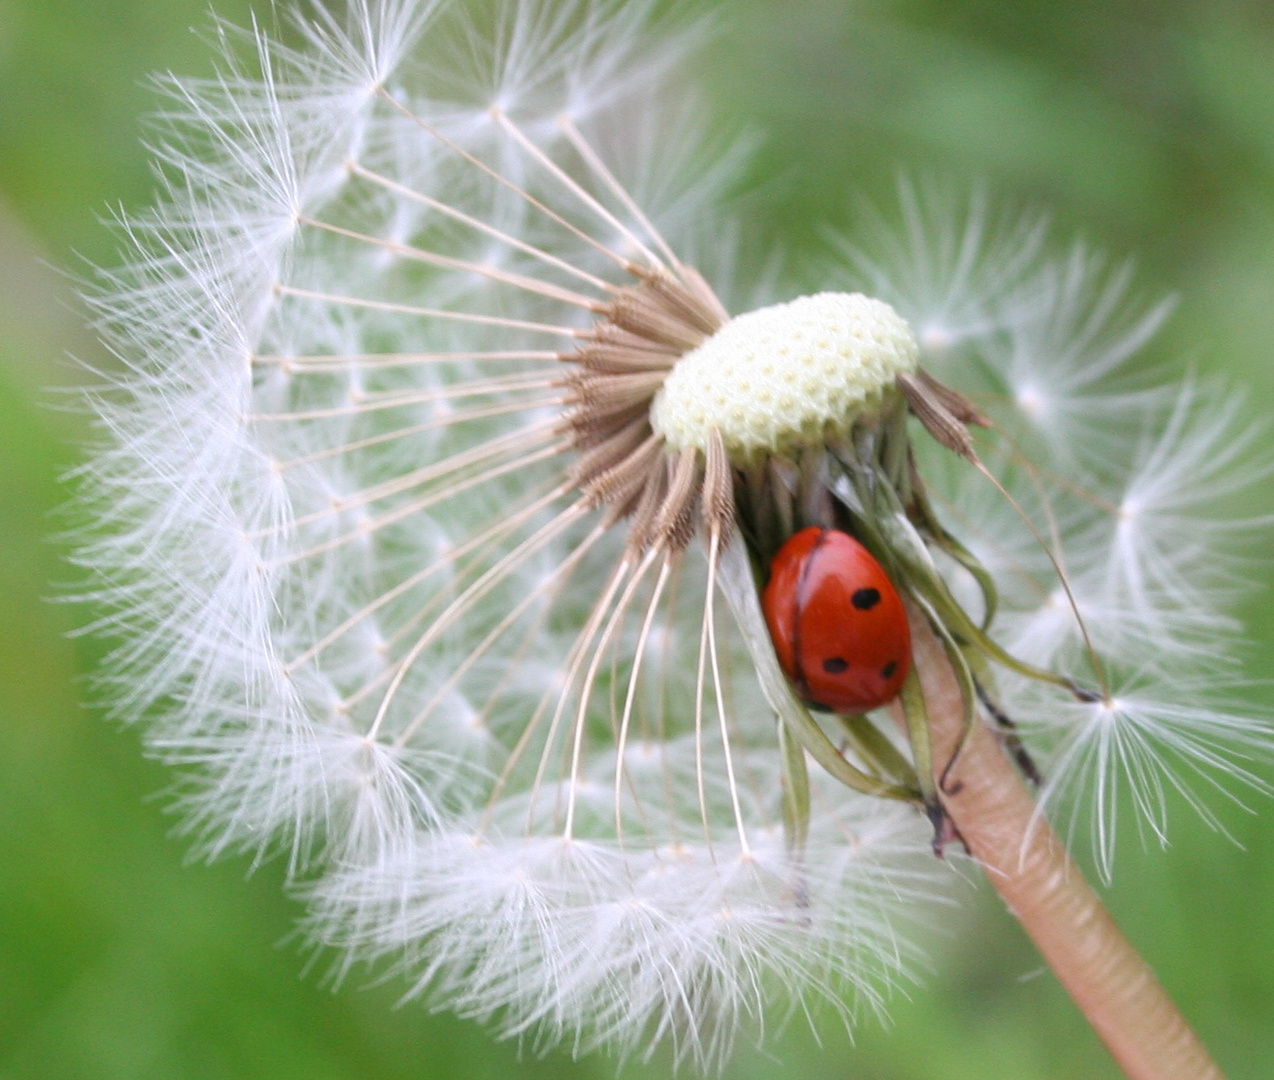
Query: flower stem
x=1028 y=865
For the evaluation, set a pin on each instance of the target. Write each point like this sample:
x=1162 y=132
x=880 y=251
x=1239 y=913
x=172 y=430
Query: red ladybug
x=837 y=622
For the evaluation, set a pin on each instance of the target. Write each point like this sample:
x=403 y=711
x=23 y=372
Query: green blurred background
x=1147 y=126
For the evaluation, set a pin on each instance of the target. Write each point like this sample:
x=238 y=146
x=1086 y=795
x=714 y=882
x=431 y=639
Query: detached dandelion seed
x=441 y=484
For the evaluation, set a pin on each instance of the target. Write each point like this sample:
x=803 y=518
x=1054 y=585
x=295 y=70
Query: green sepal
x=877 y=752
x=796 y=791
x=980 y=574
x=913 y=707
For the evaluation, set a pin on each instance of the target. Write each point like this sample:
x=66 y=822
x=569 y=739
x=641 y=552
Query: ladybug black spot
x=888 y=670
x=836 y=665
x=866 y=599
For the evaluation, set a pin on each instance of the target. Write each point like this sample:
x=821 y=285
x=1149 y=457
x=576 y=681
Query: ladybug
x=837 y=622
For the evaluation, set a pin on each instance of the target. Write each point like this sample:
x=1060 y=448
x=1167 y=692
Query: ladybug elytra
x=837 y=622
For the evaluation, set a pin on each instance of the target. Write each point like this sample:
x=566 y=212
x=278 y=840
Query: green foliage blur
x=1147 y=126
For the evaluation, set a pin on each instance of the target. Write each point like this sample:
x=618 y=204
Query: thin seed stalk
x=1029 y=867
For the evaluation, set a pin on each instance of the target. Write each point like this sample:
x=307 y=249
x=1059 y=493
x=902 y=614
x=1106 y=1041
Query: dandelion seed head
x=436 y=478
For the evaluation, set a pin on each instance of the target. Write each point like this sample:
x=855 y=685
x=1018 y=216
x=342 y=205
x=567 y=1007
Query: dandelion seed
x=440 y=486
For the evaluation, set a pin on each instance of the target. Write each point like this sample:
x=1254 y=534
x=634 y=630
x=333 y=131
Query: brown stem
x=1030 y=868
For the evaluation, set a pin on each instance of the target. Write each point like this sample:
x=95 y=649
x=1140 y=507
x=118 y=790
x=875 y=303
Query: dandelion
x=441 y=483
